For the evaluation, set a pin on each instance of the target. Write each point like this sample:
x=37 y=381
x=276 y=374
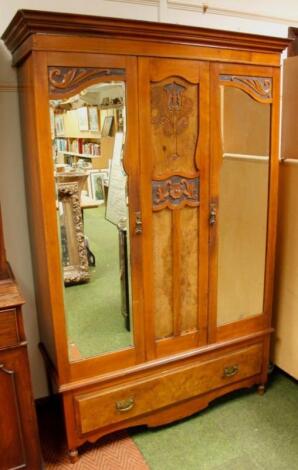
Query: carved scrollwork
x=68 y=192
x=66 y=79
x=175 y=192
x=259 y=86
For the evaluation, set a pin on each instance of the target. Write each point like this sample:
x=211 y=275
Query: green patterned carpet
x=241 y=431
x=94 y=319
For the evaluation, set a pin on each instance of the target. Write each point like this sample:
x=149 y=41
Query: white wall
x=271 y=17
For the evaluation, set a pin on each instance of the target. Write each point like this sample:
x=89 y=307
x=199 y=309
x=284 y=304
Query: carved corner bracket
x=259 y=88
x=63 y=80
x=175 y=192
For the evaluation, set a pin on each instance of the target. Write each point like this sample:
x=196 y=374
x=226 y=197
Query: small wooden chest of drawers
x=19 y=443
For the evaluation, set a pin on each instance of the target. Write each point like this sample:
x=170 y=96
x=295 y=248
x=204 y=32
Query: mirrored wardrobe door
x=240 y=192
x=89 y=115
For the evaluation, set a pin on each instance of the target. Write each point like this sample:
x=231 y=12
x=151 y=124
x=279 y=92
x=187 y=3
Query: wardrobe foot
x=73 y=455
x=261 y=390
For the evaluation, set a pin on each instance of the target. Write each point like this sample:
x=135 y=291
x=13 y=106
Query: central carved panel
x=175 y=183
x=175 y=192
x=174 y=120
x=171 y=109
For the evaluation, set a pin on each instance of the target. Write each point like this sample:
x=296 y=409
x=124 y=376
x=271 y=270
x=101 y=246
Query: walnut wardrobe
x=183 y=122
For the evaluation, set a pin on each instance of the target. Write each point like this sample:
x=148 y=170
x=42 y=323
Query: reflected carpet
x=114 y=452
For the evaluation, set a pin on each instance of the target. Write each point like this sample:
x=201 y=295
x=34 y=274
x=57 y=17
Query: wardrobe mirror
x=243 y=202
x=88 y=135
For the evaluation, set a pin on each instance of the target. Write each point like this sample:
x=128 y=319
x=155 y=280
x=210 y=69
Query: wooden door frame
x=81 y=370
x=258 y=322
x=175 y=344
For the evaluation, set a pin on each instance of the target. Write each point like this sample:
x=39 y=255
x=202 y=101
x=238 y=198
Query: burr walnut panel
x=162 y=273
x=189 y=268
x=175 y=270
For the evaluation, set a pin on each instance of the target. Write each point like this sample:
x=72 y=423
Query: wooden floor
x=114 y=452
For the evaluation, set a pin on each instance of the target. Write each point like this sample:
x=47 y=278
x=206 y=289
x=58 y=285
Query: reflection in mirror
x=243 y=194
x=74 y=256
x=88 y=134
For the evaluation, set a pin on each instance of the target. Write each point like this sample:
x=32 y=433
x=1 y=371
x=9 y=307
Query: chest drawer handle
x=125 y=405
x=231 y=370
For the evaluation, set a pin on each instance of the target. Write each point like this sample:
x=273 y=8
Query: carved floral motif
x=64 y=79
x=75 y=274
x=262 y=86
x=175 y=192
x=171 y=109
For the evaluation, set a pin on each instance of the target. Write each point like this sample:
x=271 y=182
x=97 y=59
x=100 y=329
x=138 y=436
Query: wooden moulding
x=293 y=46
x=161 y=364
x=155 y=418
x=10 y=295
x=4 y=268
x=28 y=22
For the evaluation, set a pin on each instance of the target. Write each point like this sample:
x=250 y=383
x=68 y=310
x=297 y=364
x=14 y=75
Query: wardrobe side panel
x=289 y=137
x=34 y=205
x=285 y=351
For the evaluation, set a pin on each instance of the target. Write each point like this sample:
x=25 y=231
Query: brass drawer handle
x=231 y=370
x=125 y=405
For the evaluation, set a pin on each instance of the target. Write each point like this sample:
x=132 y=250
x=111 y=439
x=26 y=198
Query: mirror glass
x=88 y=136
x=242 y=206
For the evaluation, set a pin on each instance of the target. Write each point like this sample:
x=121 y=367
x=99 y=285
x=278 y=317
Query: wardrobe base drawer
x=101 y=408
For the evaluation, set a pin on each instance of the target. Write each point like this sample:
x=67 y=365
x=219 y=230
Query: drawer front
x=99 y=409
x=8 y=328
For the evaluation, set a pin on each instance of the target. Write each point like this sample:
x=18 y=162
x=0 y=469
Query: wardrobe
x=195 y=118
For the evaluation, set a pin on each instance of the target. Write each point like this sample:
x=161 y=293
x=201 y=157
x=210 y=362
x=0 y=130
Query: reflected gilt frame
x=76 y=271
